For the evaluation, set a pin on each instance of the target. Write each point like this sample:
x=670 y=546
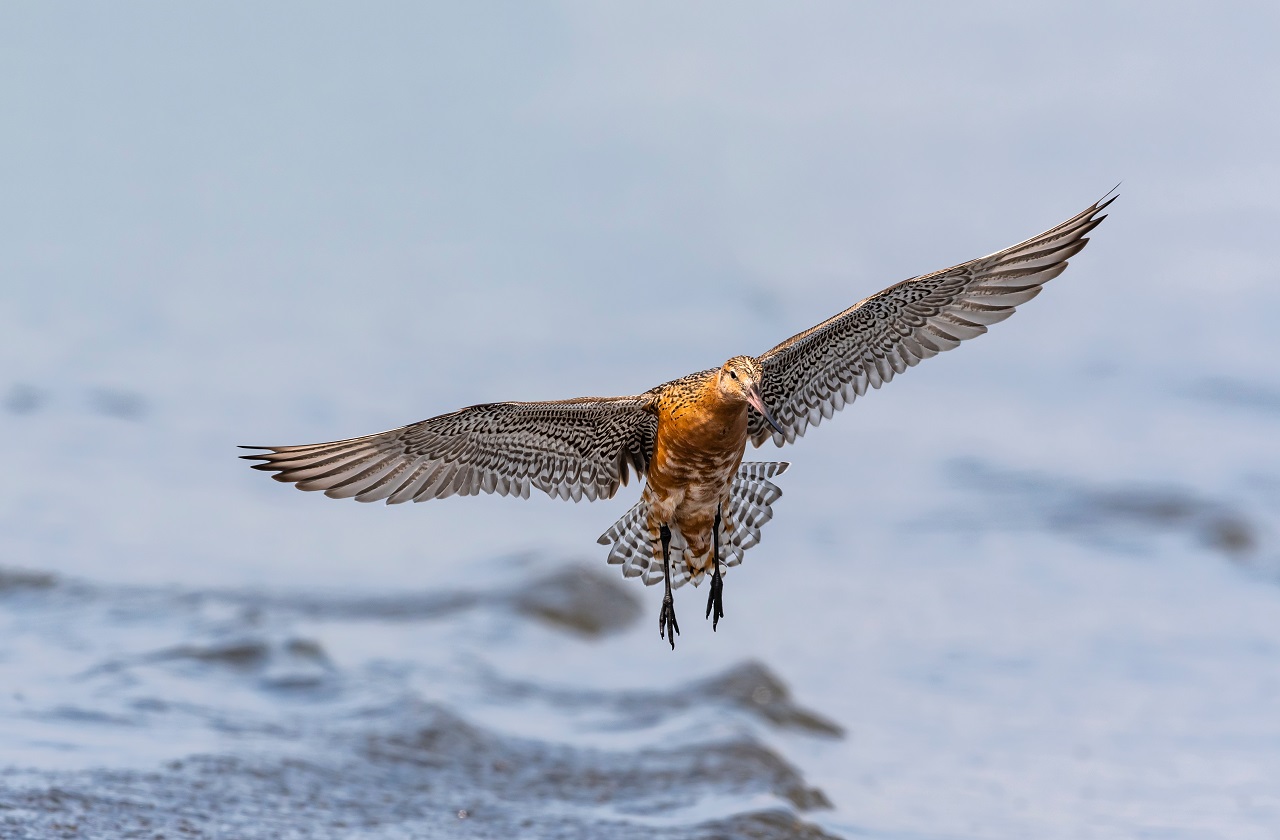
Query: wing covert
x=567 y=449
x=812 y=375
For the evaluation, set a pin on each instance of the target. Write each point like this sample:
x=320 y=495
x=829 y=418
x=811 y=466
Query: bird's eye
x=734 y=374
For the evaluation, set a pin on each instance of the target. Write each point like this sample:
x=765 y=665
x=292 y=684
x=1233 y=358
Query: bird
x=686 y=439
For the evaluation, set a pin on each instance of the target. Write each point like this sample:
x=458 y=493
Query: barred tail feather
x=751 y=501
x=751 y=498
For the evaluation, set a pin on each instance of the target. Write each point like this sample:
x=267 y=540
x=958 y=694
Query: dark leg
x=715 y=598
x=667 y=627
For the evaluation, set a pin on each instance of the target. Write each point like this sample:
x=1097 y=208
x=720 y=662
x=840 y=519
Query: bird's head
x=739 y=380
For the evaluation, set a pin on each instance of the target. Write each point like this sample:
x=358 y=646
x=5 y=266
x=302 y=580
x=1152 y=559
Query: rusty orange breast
x=700 y=442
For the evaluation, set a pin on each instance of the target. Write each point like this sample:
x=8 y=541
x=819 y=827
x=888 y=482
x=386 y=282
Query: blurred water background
x=1029 y=590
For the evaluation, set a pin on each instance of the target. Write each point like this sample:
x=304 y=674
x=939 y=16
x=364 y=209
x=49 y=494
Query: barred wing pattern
x=567 y=449
x=812 y=375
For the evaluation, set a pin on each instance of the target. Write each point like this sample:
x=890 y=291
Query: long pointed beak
x=757 y=402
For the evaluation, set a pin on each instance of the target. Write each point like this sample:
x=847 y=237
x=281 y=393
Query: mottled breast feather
x=567 y=449
x=812 y=375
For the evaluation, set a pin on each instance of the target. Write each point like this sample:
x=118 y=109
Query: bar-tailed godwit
x=687 y=437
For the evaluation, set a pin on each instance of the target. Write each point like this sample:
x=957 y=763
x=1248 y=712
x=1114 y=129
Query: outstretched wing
x=567 y=449
x=814 y=374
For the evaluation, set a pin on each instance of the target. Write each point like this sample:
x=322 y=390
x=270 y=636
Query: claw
x=715 y=599
x=667 y=626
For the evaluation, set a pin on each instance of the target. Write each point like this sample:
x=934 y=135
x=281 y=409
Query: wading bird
x=687 y=437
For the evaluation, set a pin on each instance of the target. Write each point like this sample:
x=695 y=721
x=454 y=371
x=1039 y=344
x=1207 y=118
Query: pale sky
x=309 y=221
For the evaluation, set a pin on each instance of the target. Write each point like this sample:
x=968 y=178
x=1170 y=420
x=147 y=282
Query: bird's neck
x=703 y=413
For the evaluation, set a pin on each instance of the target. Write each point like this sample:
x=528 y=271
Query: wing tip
x=1104 y=202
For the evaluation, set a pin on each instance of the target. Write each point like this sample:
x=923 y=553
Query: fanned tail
x=751 y=498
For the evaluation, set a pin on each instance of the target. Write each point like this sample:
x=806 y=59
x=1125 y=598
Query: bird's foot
x=667 y=627
x=715 y=600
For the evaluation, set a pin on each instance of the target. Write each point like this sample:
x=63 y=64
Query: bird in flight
x=687 y=437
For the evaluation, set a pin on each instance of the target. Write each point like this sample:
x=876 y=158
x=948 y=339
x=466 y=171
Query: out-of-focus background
x=1028 y=590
